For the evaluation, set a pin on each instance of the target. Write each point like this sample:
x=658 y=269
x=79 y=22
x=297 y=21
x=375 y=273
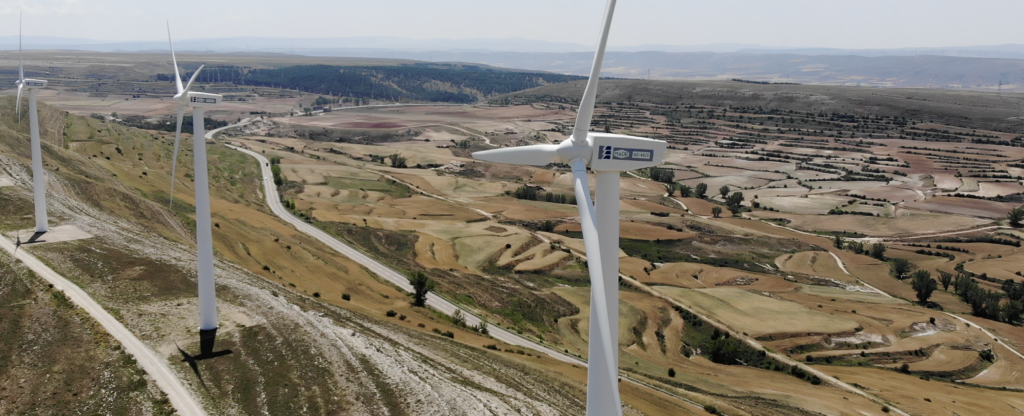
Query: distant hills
x=416 y=82
x=993 y=67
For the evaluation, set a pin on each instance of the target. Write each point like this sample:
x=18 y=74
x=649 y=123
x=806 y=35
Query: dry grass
x=758 y=315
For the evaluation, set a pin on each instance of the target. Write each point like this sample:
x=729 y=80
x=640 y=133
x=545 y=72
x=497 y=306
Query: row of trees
x=661 y=174
x=988 y=303
x=533 y=193
x=412 y=82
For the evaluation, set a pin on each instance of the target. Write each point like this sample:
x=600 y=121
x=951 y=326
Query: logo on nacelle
x=618 y=153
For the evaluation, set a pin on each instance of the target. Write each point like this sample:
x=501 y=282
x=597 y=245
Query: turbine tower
x=38 y=174
x=607 y=155
x=197 y=101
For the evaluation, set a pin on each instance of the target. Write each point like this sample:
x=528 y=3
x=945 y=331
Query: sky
x=850 y=24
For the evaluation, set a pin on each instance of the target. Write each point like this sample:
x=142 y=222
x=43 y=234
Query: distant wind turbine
x=197 y=101
x=38 y=174
x=608 y=155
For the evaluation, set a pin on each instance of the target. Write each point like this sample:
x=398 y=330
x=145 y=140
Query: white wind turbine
x=607 y=155
x=204 y=234
x=38 y=174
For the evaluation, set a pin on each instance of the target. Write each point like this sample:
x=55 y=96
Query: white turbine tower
x=607 y=155
x=38 y=174
x=204 y=234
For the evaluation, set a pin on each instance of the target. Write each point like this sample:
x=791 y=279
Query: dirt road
x=154 y=365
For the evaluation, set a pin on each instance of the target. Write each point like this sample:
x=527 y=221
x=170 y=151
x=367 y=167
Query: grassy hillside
x=290 y=351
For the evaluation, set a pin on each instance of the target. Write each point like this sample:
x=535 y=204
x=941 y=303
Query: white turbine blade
x=586 y=110
x=534 y=155
x=177 y=77
x=174 y=157
x=599 y=310
x=21 y=61
x=193 y=79
x=18 y=104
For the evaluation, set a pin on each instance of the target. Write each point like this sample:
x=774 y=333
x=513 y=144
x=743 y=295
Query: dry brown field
x=964 y=206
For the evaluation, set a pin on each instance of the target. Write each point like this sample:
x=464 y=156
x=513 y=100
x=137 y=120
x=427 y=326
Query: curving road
x=154 y=365
x=400 y=280
x=387 y=273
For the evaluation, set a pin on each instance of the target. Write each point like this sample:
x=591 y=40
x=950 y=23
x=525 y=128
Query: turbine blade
x=534 y=155
x=193 y=79
x=177 y=77
x=174 y=157
x=21 y=61
x=599 y=310
x=586 y=110
x=18 y=104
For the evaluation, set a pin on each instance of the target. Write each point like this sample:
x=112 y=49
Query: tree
x=945 y=278
x=716 y=211
x=724 y=190
x=734 y=202
x=1012 y=311
x=878 y=251
x=671 y=188
x=702 y=190
x=1016 y=217
x=397 y=161
x=900 y=268
x=924 y=285
x=685 y=191
x=838 y=242
x=421 y=286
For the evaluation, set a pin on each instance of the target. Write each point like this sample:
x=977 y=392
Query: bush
x=391 y=314
x=346 y=296
x=672 y=372
x=491 y=347
x=401 y=317
x=710 y=409
x=316 y=294
x=905 y=368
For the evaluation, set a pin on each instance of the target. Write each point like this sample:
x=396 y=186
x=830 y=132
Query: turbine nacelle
x=31 y=84
x=202 y=99
x=602 y=152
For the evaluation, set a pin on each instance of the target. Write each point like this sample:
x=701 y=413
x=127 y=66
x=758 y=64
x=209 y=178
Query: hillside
x=415 y=82
x=972 y=109
x=285 y=346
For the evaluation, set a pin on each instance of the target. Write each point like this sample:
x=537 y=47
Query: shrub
x=672 y=372
x=391 y=314
x=491 y=347
x=401 y=317
x=316 y=294
x=710 y=409
x=346 y=296
x=905 y=368
x=458 y=318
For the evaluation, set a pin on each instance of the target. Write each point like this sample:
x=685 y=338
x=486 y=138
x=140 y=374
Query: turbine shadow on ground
x=207 y=339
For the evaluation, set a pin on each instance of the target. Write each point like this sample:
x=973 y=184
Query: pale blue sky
x=788 y=23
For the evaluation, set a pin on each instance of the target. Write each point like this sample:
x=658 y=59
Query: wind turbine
x=607 y=155
x=198 y=101
x=38 y=174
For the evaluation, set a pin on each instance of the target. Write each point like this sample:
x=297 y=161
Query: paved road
x=400 y=280
x=209 y=134
x=386 y=273
x=156 y=366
